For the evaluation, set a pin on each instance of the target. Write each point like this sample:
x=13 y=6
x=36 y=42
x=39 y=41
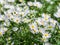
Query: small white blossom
x=1 y=17
x=33 y=28
x=16 y=19
x=30 y=3
x=15 y=29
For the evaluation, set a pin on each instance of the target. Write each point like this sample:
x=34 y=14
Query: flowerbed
x=29 y=22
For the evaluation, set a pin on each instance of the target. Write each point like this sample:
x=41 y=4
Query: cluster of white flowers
x=37 y=4
x=21 y=12
x=48 y=24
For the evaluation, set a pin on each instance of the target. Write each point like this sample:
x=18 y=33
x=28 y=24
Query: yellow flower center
x=46 y=18
x=50 y=27
x=46 y=35
x=32 y=26
x=17 y=20
x=21 y=0
x=0 y=33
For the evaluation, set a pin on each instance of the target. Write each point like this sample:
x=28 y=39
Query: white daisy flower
x=17 y=19
x=49 y=27
x=46 y=17
x=52 y=21
x=40 y=21
x=34 y=28
x=46 y=35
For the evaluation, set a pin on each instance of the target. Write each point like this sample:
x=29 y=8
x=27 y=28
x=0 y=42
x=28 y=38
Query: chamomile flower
x=16 y=19
x=46 y=17
x=52 y=21
x=46 y=35
x=33 y=26
x=49 y=27
x=40 y=21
